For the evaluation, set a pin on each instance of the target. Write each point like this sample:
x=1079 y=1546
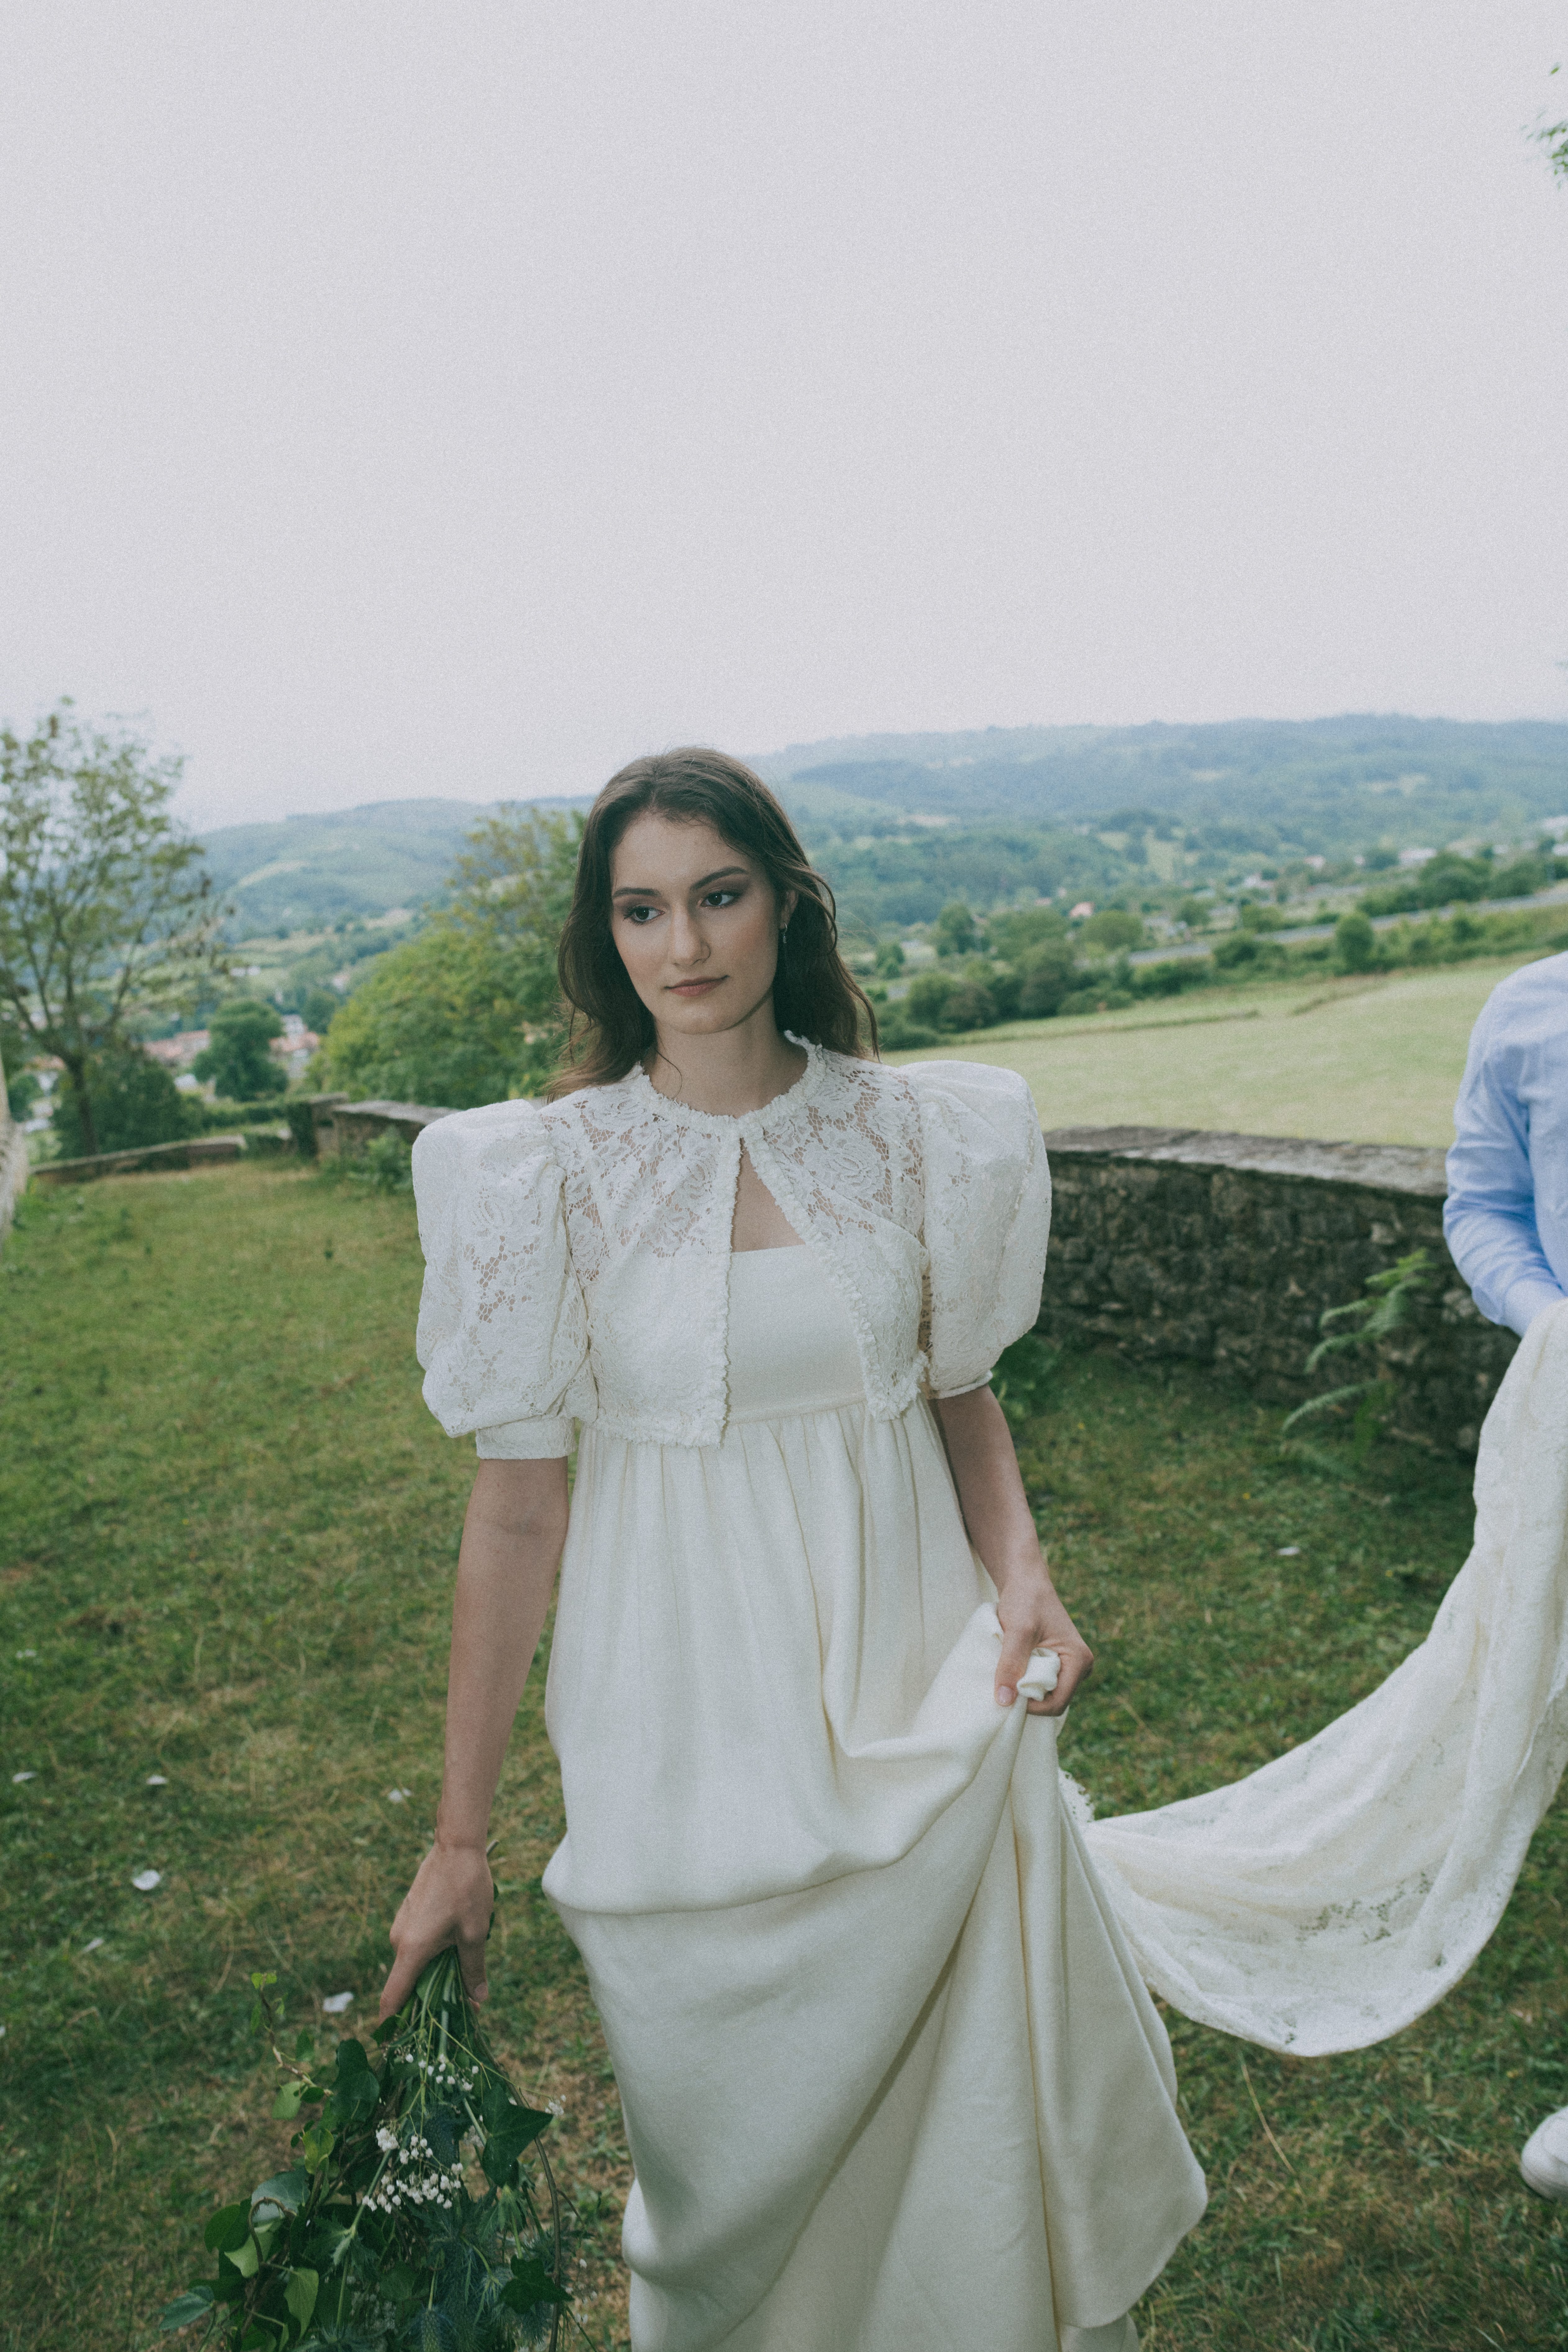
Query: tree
x=957 y=933
x=1014 y=935
x=1355 y=942
x=236 y=1059
x=134 y=1103
x=105 y=909
x=1047 y=976
x=470 y=1010
x=1553 y=137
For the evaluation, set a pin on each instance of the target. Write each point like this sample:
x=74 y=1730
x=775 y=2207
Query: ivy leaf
x=300 y=2294
x=530 y=2284
x=514 y=2128
x=284 y=2193
x=194 y=2303
x=229 y=2227
x=246 y=2259
x=355 y=2088
x=289 y=2100
x=316 y=2145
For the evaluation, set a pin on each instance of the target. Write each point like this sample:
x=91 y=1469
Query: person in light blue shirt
x=1506 y=1224
x=1506 y=1220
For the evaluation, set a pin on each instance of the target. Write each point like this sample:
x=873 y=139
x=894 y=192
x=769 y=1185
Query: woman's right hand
x=450 y=1903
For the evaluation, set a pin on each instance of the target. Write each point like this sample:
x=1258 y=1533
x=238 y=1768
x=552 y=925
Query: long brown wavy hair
x=814 y=995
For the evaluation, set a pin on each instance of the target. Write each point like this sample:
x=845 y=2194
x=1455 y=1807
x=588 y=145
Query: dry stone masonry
x=1172 y=1246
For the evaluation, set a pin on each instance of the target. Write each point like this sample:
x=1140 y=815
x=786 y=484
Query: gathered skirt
x=890 y=2076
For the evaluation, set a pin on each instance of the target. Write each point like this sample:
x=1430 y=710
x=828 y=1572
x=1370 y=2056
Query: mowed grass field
x=1375 y=1059
x=229 y=1528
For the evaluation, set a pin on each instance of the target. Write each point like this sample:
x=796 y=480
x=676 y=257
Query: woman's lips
x=692 y=987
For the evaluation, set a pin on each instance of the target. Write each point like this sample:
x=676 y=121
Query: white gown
x=891 y=2079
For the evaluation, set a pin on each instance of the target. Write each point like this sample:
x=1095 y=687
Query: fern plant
x=1388 y=1301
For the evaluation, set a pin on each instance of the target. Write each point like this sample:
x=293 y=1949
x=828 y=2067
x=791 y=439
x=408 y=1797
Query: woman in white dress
x=891 y=2079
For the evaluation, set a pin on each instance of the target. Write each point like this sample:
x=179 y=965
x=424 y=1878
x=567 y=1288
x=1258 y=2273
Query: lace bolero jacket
x=578 y=1253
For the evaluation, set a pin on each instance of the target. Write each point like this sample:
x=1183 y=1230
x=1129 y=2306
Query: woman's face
x=696 y=924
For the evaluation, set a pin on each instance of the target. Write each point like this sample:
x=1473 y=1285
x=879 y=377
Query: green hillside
x=307 y=873
x=1321 y=785
x=903 y=823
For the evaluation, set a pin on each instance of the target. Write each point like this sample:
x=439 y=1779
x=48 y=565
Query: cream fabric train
x=1327 y=1900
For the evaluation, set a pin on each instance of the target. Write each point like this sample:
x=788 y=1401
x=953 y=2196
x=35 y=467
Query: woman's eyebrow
x=631 y=890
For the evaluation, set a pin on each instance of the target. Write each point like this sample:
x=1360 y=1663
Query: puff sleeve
x=988 y=1216
x=503 y=1334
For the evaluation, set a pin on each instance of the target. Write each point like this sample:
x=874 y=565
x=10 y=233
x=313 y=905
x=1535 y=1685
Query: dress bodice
x=578 y=1253
x=792 y=1346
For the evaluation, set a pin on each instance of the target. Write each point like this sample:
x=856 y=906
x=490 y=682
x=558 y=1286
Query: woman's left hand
x=1033 y=1618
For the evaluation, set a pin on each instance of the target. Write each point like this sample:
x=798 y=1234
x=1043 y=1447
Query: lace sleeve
x=502 y=1328
x=988 y=1216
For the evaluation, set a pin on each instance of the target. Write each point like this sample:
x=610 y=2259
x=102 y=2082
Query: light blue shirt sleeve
x=1491 y=1218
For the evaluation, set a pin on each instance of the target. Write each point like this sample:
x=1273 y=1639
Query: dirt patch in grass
x=223 y=1455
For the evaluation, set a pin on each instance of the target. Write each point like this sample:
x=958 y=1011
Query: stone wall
x=1225 y=1250
x=191 y=1152
x=344 y=1126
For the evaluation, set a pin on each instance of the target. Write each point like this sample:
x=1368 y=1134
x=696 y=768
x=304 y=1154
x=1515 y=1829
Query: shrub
x=898 y=1035
x=1448 y=876
x=970 y=1006
x=1004 y=983
x=889 y=960
x=957 y=933
x=1398 y=898
x=135 y=1103
x=926 y=1004
x=1242 y=949
x=1046 y=977
x=1104 y=998
x=1355 y=944
x=1172 y=979
x=1520 y=880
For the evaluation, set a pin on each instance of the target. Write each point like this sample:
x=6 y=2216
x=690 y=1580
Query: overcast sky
x=459 y=399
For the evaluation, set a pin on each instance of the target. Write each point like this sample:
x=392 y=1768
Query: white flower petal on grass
x=156 y=1780
x=96 y=1946
x=1290 y=1552
x=27 y=1653
x=398 y=1796
x=18 y=1777
x=336 y=2002
x=145 y=1881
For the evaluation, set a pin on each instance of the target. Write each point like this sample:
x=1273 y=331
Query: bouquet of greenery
x=422 y=2213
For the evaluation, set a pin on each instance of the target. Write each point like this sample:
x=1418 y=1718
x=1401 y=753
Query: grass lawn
x=229 y=1529
x=1373 y=1060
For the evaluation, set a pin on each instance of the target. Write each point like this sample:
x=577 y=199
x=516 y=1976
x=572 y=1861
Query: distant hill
x=901 y=823
x=1320 y=785
x=302 y=873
